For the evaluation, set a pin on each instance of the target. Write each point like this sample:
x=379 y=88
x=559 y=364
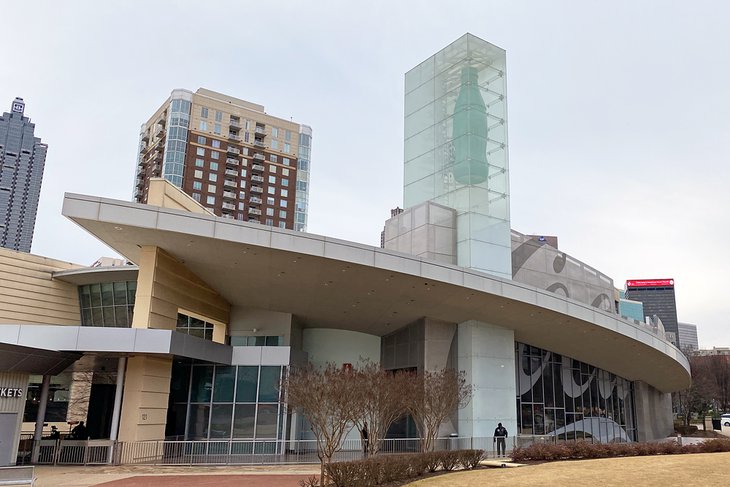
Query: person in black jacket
x=500 y=437
x=364 y=437
x=79 y=431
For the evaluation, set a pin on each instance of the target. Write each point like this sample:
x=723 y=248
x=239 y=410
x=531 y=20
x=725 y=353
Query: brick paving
x=247 y=480
x=148 y=475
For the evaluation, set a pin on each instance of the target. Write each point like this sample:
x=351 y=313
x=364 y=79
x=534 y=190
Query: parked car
x=725 y=419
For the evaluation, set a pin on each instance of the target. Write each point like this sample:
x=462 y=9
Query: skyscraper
x=22 y=159
x=657 y=296
x=688 y=336
x=456 y=147
x=230 y=156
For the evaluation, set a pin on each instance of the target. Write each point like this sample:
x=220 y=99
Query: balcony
x=229 y=195
x=228 y=206
x=162 y=121
x=231 y=172
x=229 y=216
x=229 y=183
x=254 y=211
x=257 y=189
x=235 y=123
x=259 y=157
x=233 y=150
x=259 y=143
x=160 y=132
x=146 y=137
x=231 y=161
x=255 y=200
x=258 y=179
x=257 y=167
x=232 y=136
x=260 y=131
x=253 y=220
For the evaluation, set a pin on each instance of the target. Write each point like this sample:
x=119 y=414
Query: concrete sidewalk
x=76 y=476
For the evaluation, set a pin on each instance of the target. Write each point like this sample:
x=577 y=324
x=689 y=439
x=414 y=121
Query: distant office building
x=688 y=336
x=725 y=351
x=657 y=296
x=230 y=156
x=22 y=159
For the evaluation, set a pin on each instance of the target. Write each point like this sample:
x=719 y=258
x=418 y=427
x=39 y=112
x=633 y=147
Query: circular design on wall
x=570 y=386
x=559 y=262
x=554 y=287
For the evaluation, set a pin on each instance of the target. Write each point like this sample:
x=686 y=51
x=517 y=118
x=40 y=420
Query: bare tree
x=378 y=398
x=433 y=396
x=324 y=397
x=698 y=398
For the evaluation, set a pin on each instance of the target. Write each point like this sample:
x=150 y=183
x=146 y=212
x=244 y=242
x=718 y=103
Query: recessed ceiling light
x=118 y=228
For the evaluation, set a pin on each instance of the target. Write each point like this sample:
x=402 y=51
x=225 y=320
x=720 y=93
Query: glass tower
x=456 y=147
x=22 y=160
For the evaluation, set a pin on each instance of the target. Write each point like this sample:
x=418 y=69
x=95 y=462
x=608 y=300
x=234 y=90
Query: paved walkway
x=123 y=476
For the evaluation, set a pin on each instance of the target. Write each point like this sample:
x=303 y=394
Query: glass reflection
x=570 y=399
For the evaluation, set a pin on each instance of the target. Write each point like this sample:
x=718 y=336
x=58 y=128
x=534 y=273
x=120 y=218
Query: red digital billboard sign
x=650 y=283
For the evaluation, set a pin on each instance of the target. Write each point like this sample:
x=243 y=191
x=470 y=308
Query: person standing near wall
x=500 y=437
x=364 y=437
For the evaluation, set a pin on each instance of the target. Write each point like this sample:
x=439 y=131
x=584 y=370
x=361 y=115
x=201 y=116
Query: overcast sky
x=618 y=114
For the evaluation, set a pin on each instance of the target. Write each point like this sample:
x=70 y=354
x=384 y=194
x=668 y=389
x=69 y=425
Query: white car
x=725 y=419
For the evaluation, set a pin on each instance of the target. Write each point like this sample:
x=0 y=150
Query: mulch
x=208 y=480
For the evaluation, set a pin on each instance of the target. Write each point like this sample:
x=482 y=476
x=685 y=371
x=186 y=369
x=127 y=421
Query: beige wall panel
x=146 y=389
x=154 y=400
x=166 y=195
x=29 y=295
x=155 y=384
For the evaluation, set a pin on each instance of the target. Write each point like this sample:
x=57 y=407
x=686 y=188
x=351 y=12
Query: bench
x=17 y=475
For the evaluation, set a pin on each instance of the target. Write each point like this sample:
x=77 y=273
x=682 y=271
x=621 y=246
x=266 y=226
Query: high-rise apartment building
x=22 y=159
x=230 y=156
x=657 y=296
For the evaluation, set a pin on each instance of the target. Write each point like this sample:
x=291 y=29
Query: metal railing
x=230 y=452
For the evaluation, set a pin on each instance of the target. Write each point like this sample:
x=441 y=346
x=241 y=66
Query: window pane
x=95 y=295
x=272 y=341
x=108 y=316
x=266 y=421
x=223 y=391
x=179 y=382
x=244 y=419
x=220 y=421
x=120 y=317
x=107 y=291
x=120 y=293
x=246 y=387
x=202 y=383
x=198 y=421
x=268 y=389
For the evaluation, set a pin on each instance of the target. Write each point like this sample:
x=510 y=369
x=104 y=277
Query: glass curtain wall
x=572 y=400
x=216 y=402
x=456 y=147
x=109 y=304
x=302 y=197
x=177 y=137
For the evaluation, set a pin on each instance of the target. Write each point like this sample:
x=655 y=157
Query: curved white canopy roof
x=333 y=283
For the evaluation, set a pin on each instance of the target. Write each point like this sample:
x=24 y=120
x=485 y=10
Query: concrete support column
x=43 y=403
x=654 y=418
x=487 y=354
x=41 y=417
x=121 y=367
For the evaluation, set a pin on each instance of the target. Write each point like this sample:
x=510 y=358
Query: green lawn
x=702 y=469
